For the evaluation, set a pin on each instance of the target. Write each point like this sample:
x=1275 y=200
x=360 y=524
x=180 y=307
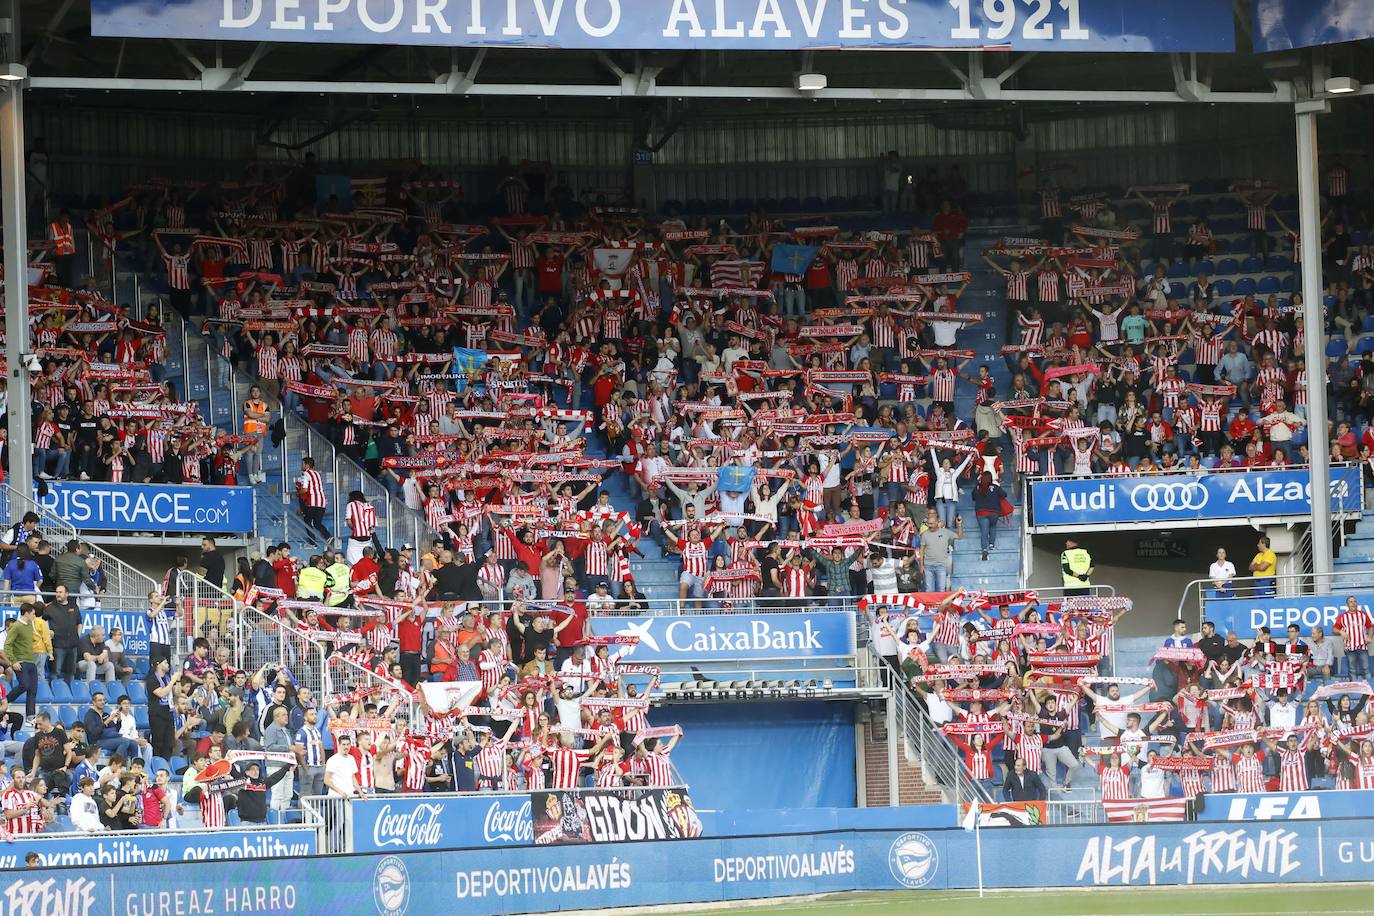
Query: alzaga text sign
x=730 y=637
x=762 y=25
x=1182 y=497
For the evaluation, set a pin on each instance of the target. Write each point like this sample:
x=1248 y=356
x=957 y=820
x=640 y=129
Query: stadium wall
x=96 y=151
x=492 y=881
x=768 y=755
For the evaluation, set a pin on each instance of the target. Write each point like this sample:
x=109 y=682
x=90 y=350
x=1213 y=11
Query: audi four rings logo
x=1175 y=496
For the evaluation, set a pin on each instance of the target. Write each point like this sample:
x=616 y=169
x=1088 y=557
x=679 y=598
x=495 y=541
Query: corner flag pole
x=978 y=842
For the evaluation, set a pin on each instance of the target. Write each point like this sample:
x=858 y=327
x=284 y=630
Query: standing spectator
x=64 y=617
x=950 y=225
x=1353 y=624
x=256 y=416
x=1222 y=573
x=159 y=683
x=160 y=619
x=22 y=575
x=1022 y=784
x=937 y=552
x=309 y=748
x=1076 y=564
x=988 y=497
x=1263 y=567
x=276 y=738
x=211 y=563
x=19 y=639
x=310 y=491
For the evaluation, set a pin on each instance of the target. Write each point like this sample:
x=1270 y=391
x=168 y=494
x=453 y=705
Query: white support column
x=13 y=213
x=1309 y=222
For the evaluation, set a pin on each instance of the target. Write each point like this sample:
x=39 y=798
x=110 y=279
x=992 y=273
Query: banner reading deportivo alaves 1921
x=761 y=25
x=1186 y=497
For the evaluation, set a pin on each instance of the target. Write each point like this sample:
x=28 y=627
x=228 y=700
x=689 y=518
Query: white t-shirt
x=1221 y=573
x=341 y=770
x=1133 y=743
x=85 y=813
x=945 y=332
x=1283 y=715
x=1154 y=782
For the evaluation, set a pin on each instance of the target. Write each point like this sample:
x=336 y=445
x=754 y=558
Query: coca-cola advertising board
x=401 y=823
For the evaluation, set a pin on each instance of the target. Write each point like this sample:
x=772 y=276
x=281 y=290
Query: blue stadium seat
x=1359 y=237
x=1367 y=325
x=67 y=714
x=1337 y=346
x=1206 y=266
x=1329 y=301
x=790 y=204
x=177 y=764
x=812 y=204
x=1225 y=307
x=159 y=764
x=1365 y=345
x=1225 y=288
x=1178 y=270
x=1178 y=291
x=1268 y=286
x=1245 y=286
x=1251 y=265
x=141 y=716
x=1286 y=284
x=44 y=692
x=1277 y=262
x=61 y=690
x=80 y=692
x=1228 y=266
x=138 y=693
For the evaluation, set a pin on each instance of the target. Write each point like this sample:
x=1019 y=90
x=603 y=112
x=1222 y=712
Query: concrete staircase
x=912 y=788
x=1357 y=554
x=1001 y=571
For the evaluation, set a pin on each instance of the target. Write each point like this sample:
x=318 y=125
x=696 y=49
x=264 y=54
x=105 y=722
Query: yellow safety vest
x=1078 y=561
x=342 y=583
x=311 y=582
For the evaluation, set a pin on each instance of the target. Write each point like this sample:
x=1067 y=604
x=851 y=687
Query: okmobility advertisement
x=1246 y=615
x=1186 y=497
x=737 y=637
x=93 y=506
x=751 y=25
x=495 y=881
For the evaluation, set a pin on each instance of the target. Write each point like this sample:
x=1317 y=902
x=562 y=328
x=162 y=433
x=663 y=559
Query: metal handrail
x=923 y=740
x=1293 y=585
x=120 y=577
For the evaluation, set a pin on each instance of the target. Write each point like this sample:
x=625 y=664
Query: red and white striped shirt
x=595 y=558
x=609 y=775
x=212 y=808
x=884 y=329
x=311 y=487
x=357 y=344
x=1116 y=783
x=1049 y=204
x=290 y=368
x=1223 y=774
x=1249 y=775
x=1032 y=330
x=43 y=436
x=267 y=362
x=23 y=800
x=1207 y=350
x=1018 y=286
x=1256 y=216
x=567 y=764
x=845 y=272
x=385 y=345
x=794 y=581
x=694 y=560
x=1292 y=770
x=1162 y=224
x=1047 y=282
x=941 y=383
x=362 y=518
x=1211 y=416
x=947 y=628
x=490 y=761
x=657 y=768
x=1354 y=628
x=178 y=270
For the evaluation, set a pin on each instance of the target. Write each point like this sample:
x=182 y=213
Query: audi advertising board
x=1217 y=497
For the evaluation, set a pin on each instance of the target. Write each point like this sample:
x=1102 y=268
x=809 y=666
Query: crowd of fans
x=1023 y=689
x=783 y=400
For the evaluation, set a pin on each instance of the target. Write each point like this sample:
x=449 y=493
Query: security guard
x=312 y=580
x=340 y=582
x=1077 y=565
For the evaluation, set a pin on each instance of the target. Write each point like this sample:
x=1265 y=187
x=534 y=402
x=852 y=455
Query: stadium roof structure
x=59 y=52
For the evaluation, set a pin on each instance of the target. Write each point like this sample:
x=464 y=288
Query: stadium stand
x=491 y=425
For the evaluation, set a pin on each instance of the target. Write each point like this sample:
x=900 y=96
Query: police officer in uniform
x=1077 y=566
